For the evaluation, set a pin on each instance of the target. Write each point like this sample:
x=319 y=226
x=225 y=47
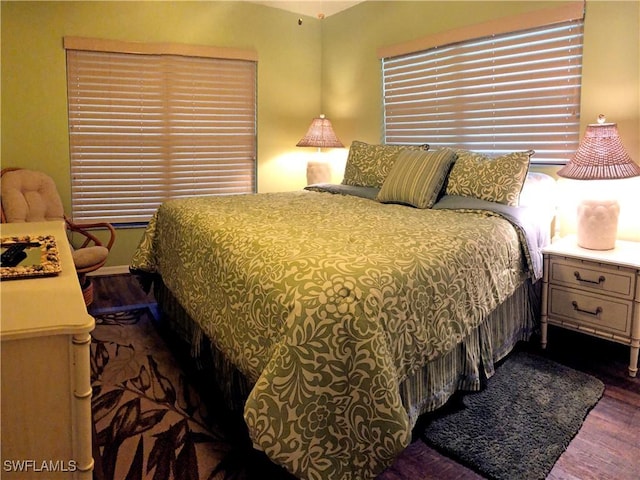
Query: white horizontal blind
x=509 y=92
x=148 y=128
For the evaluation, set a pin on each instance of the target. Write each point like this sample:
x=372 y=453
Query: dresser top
x=625 y=254
x=42 y=306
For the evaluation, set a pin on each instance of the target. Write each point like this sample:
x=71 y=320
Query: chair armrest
x=89 y=237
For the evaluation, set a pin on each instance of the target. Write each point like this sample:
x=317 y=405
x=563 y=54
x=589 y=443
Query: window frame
x=183 y=129
x=411 y=111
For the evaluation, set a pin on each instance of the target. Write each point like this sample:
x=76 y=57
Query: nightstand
x=596 y=292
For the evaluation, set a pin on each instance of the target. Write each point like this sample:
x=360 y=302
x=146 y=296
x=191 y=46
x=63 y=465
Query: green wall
x=34 y=111
x=327 y=66
x=352 y=84
x=351 y=70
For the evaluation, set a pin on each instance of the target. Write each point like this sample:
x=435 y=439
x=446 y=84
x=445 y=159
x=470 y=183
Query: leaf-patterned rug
x=150 y=420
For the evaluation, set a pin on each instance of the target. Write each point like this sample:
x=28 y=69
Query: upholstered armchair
x=32 y=196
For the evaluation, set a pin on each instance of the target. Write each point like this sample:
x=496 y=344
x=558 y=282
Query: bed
x=349 y=310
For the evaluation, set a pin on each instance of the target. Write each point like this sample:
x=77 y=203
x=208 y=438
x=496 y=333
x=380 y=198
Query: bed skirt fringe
x=473 y=361
x=464 y=368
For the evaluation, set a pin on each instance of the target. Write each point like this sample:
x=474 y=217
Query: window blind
x=501 y=93
x=145 y=128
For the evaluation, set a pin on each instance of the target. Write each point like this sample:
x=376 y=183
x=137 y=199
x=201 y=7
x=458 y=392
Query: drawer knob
x=595 y=313
x=600 y=280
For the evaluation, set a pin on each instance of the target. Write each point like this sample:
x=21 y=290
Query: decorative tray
x=29 y=256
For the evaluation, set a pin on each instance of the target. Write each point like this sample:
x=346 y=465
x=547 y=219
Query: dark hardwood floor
x=118 y=291
x=607 y=446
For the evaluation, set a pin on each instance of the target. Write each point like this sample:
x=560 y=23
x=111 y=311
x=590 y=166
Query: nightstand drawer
x=593 y=277
x=601 y=313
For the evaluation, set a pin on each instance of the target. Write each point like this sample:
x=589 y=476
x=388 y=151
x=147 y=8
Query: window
x=148 y=123
x=494 y=93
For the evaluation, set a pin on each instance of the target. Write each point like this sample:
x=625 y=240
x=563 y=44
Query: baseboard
x=113 y=270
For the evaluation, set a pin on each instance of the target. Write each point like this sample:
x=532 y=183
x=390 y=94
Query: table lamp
x=600 y=156
x=320 y=135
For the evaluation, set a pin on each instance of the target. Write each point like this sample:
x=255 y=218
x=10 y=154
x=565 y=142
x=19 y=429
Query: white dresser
x=46 y=386
x=594 y=291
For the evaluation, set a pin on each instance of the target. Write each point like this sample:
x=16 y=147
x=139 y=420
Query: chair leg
x=87 y=289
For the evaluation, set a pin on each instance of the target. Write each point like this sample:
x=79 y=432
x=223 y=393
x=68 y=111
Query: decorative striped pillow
x=417 y=177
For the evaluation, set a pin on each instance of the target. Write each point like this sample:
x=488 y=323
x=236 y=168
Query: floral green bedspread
x=327 y=302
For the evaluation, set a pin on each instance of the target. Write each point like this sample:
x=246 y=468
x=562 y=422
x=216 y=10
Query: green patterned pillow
x=497 y=180
x=368 y=165
x=417 y=177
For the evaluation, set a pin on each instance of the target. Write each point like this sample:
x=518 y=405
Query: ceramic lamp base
x=318 y=172
x=598 y=224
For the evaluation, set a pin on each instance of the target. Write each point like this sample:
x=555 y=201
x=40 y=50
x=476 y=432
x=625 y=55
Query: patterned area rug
x=519 y=425
x=151 y=422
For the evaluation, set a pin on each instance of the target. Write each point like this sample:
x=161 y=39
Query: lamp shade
x=320 y=134
x=600 y=155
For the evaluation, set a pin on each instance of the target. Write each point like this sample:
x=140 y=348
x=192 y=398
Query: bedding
x=368 y=164
x=531 y=225
x=495 y=179
x=357 y=191
x=416 y=178
x=328 y=303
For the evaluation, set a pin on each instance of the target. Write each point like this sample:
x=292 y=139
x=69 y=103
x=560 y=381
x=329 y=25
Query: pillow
x=368 y=165
x=417 y=177
x=497 y=180
x=538 y=191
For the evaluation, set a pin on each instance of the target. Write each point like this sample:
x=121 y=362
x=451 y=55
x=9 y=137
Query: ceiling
x=311 y=8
